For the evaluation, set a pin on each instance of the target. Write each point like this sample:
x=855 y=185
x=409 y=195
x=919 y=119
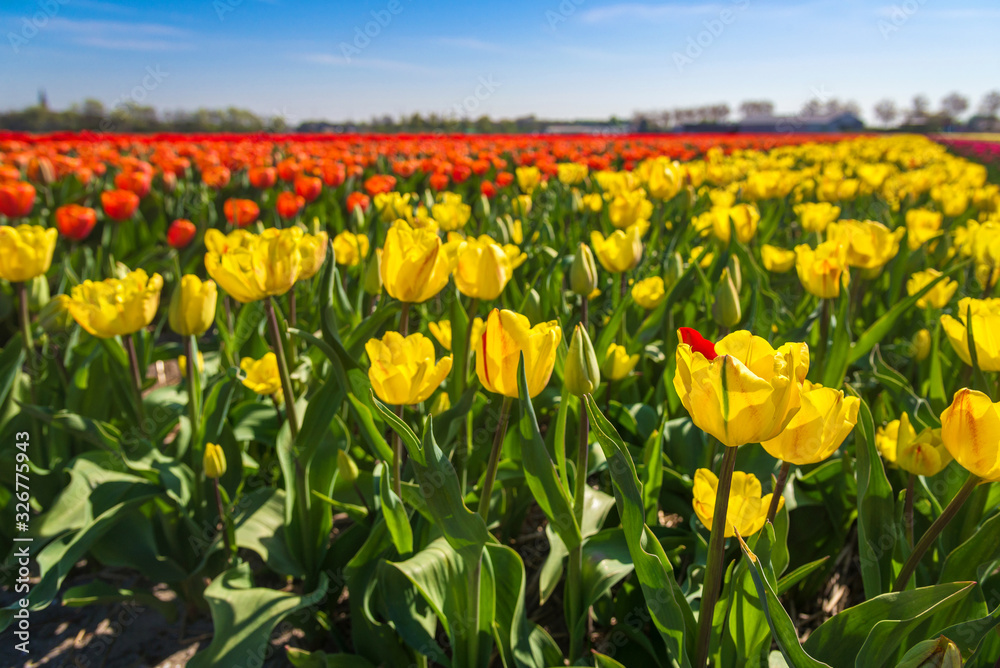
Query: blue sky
x=553 y=58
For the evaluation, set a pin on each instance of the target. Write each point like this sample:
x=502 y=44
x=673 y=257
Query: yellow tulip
x=985 y=331
x=970 y=429
x=250 y=267
x=214 y=461
x=741 y=390
x=824 y=420
x=506 y=336
x=403 y=371
x=939 y=295
x=116 y=306
x=620 y=251
x=922 y=225
x=815 y=216
x=747 y=509
x=920 y=454
x=393 y=205
x=528 y=178
x=571 y=173
x=664 y=179
x=649 y=293
x=742 y=217
x=262 y=375
x=349 y=248
x=441 y=330
x=592 y=202
x=415 y=264
x=617 y=362
x=628 y=208
x=312 y=248
x=192 y=306
x=870 y=245
x=777 y=260
x=483 y=268
x=26 y=251
x=822 y=271
x=449 y=211
x=705 y=261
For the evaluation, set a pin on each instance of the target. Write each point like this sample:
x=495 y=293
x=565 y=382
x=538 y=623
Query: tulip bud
x=38 y=293
x=921 y=345
x=346 y=467
x=581 y=374
x=373 y=274
x=533 y=307
x=441 y=403
x=736 y=271
x=939 y=653
x=215 y=461
x=583 y=272
x=169 y=182
x=726 y=310
x=675 y=269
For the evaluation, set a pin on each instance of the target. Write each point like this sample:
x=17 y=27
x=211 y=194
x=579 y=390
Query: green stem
x=462 y=361
x=286 y=380
x=194 y=400
x=472 y=643
x=26 y=339
x=222 y=519
x=133 y=361
x=578 y=615
x=716 y=556
x=934 y=530
x=779 y=488
x=908 y=509
x=491 y=467
x=397 y=441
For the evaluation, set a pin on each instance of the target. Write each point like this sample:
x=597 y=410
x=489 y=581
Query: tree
x=990 y=104
x=752 y=108
x=919 y=107
x=885 y=111
x=954 y=104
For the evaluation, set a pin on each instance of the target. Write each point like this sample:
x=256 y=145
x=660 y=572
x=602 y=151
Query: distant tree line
x=93 y=115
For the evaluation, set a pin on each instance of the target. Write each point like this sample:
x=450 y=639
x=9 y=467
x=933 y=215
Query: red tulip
x=504 y=179
x=289 y=204
x=698 y=343
x=17 y=199
x=439 y=181
x=75 y=221
x=263 y=177
x=308 y=187
x=216 y=177
x=488 y=189
x=334 y=174
x=136 y=181
x=380 y=183
x=356 y=200
x=240 y=212
x=180 y=233
x=119 y=205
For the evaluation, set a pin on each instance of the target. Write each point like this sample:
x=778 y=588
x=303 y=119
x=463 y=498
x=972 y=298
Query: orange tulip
x=17 y=199
x=308 y=187
x=241 y=212
x=119 y=205
x=289 y=204
x=75 y=221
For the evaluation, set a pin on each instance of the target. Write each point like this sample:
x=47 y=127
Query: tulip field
x=523 y=401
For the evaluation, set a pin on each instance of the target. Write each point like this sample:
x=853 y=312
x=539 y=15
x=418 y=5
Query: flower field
x=477 y=401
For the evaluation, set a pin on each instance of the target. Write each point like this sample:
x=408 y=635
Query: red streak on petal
x=698 y=343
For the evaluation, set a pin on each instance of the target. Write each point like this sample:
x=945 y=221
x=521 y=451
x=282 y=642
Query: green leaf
x=880 y=328
x=103 y=593
x=540 y=473
x=869 y=634
x=244 y=616
x=877 y=530
x=393 y=512
x=260 y=526
x=799 y=574
x=668 y=608
x=837 y=358
x=781 y=625
x=982 y=547
x=11 y=361
x=300 y=658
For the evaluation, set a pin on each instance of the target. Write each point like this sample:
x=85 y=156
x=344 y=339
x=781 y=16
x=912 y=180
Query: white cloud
x=122 y=35
x=645 y=12
x=334 y=60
